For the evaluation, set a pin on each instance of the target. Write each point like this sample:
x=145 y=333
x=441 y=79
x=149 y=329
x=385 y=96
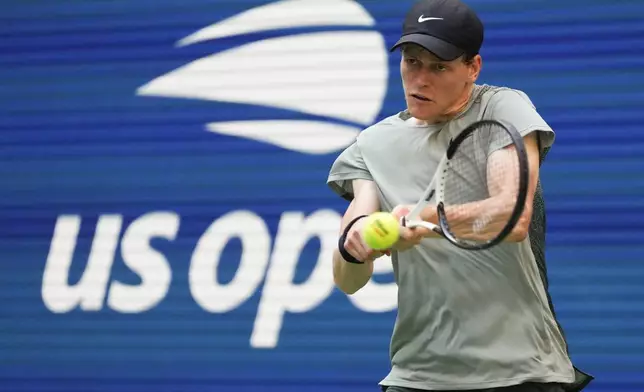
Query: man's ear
x=475 y=67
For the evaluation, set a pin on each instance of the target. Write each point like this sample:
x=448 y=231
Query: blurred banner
x=165 y=222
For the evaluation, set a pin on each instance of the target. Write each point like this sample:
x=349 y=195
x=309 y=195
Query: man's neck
x=460 y=105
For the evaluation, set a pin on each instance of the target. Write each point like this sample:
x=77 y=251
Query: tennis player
x=467 y=320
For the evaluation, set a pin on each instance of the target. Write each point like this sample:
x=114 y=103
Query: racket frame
x=412 y=220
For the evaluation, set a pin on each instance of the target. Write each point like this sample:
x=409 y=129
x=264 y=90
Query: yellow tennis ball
x=380 y=231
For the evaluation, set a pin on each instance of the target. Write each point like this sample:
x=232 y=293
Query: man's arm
x=351 y=277
x=498 y=207
x=520 y=230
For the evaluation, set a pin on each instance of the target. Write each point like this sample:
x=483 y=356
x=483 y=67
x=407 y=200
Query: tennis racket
x=479 y=188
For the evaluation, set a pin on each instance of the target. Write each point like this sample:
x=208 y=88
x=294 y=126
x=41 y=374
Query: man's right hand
x=409 y=237
x=356 y=246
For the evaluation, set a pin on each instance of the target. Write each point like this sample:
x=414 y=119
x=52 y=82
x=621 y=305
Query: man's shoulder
x=383 y=126
x=492 y=94
x=387 y=122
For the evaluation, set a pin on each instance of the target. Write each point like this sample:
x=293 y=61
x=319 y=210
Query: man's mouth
x=421 y=97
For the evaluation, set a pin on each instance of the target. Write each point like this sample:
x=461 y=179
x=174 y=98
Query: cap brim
x=443 y=50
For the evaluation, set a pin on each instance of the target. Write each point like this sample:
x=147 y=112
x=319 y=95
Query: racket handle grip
x=419 y=223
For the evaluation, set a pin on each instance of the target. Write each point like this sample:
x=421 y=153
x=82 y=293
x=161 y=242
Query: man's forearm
x=480 y=220
x=350 y=277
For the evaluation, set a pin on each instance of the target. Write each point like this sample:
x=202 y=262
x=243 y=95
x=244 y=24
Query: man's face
x=432 y=86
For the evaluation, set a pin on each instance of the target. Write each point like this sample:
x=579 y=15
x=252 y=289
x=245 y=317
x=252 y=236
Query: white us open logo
x=338 y=75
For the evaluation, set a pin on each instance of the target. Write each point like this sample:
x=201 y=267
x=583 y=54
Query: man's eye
x=440 y=67
x=412 y=61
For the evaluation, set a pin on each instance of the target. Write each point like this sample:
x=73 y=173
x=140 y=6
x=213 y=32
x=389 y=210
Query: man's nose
x=424 y=79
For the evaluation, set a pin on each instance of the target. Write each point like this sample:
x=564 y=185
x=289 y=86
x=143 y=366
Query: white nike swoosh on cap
x=422 y=19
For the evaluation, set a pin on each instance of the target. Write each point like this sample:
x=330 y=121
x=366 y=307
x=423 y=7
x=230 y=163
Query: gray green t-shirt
x=466 y=319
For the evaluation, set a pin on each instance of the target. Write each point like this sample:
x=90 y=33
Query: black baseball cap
x=446 y=28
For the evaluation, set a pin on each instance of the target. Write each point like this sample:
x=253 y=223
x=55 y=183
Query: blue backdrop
x=161 y=231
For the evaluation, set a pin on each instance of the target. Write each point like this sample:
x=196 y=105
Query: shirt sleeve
x=514 y=108
x=347 y=167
